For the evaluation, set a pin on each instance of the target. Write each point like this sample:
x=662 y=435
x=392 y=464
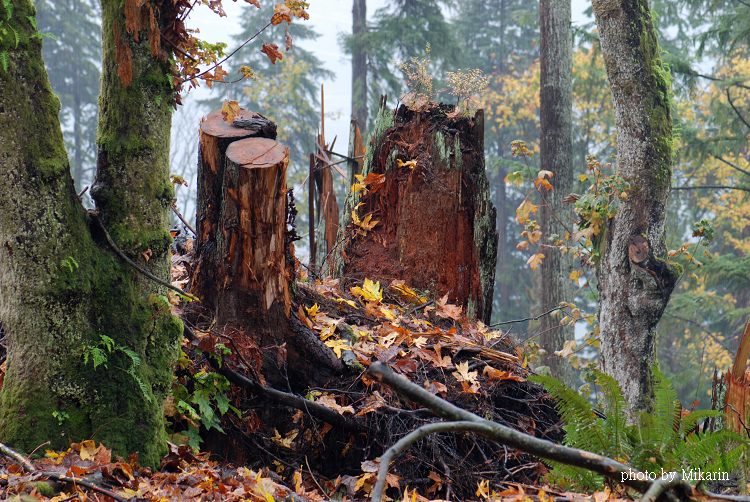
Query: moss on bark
x=63 y=289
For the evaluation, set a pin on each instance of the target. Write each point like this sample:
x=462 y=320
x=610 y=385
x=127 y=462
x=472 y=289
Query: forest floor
x=266 y=451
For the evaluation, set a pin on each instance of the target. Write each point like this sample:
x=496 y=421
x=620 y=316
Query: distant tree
x=72 y=54
x=556 y=155
x=359 y=63
x=401 y=30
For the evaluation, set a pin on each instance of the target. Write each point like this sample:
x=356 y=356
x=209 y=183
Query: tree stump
x=216 y=135
x=249 y=287
x=428 y=192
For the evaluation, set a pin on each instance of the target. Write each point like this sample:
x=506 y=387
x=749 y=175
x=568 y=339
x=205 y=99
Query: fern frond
x=615 y=409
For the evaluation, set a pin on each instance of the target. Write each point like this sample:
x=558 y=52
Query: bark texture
x=556 y=154
x=634 y=282
x=359 y=62
x=62 y=290
x=216 y=135
x=249 y=283
x=436 y=222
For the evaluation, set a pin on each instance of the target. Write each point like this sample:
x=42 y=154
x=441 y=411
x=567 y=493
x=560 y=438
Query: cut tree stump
x=428 y=192
x=216 y=135
x=246 y=274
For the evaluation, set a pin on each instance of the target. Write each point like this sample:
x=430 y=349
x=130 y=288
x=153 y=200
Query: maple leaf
x=338 y=346
x=468 y=379
x=524 y=211
x=312 y=311
x=447 y=310
x=329 y=401
x=273 y=52
x=247 y=72
x=535 y=260
x=281 y=14
x=410 y=164
x=407 y=293
x=567 y=350
x=287 y=440
x=370 y=291
x=522 y=246
x=229 y=110
x=496 y=374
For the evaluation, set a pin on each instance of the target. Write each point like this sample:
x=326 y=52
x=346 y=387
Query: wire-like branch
x=713 y=187
x=182 y=218
x=235 y=51
x=619 y=472
x=731 y=164
x=411 y=438
x=14 y=455
x=133 y=264
x=535 y=318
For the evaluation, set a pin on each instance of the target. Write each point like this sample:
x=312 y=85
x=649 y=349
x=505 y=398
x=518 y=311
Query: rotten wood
x=435 y=219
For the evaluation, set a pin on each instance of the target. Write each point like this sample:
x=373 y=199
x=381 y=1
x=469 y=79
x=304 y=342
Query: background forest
x=705 y=44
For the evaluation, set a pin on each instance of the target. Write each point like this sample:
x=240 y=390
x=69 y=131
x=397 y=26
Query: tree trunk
x=356 y=150
x=252 y=264
x=556 y=155
x=359 y=63
x=216 y=135
x=435 y=221
x=634 y=282
x=64 y=291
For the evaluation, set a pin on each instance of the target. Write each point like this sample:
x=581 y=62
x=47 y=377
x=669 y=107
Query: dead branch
x=293 y=401
x=14 y=455
x=414 y=436
x=27 y=466
x=619 y=472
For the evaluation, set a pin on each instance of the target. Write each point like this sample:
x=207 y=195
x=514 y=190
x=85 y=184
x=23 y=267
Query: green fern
x=661 y=438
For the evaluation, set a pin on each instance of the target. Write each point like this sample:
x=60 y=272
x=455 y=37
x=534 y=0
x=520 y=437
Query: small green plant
x=100 y=353
x=664 y=438
x=60 y=416
x=464 y=85
x=204 y=405
x=418 y=80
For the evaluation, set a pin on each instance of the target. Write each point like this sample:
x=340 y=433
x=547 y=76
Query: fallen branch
x=293 y=401
x=605 y=466
x=414 y=436
x=27 y=466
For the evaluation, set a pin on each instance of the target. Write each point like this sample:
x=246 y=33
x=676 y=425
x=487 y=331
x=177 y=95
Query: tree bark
x=63 y=290
x=435 y=222
x=556 y=155
x=216 y=135
x=359 y=63
x=634 y=282
x=252 y=284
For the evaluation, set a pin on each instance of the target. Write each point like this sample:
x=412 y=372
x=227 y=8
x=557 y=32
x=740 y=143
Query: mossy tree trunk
x=556 y=155
x=634 y=282
x=435 y=219
x=64 y=295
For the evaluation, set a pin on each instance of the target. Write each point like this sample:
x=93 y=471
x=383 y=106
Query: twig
x=243 y=44
x=660 y=486
x=411 y=438
x=736 y=110
x=608 y=467
x=182 y=218
x=536 y=318
x=83 y=482
x=713 y=187
x=419 y=307
x=13 y=454
x=133 y=264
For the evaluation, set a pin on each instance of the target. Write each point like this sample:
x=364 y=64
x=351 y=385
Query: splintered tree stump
x=428 y=192
x=216 y=134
